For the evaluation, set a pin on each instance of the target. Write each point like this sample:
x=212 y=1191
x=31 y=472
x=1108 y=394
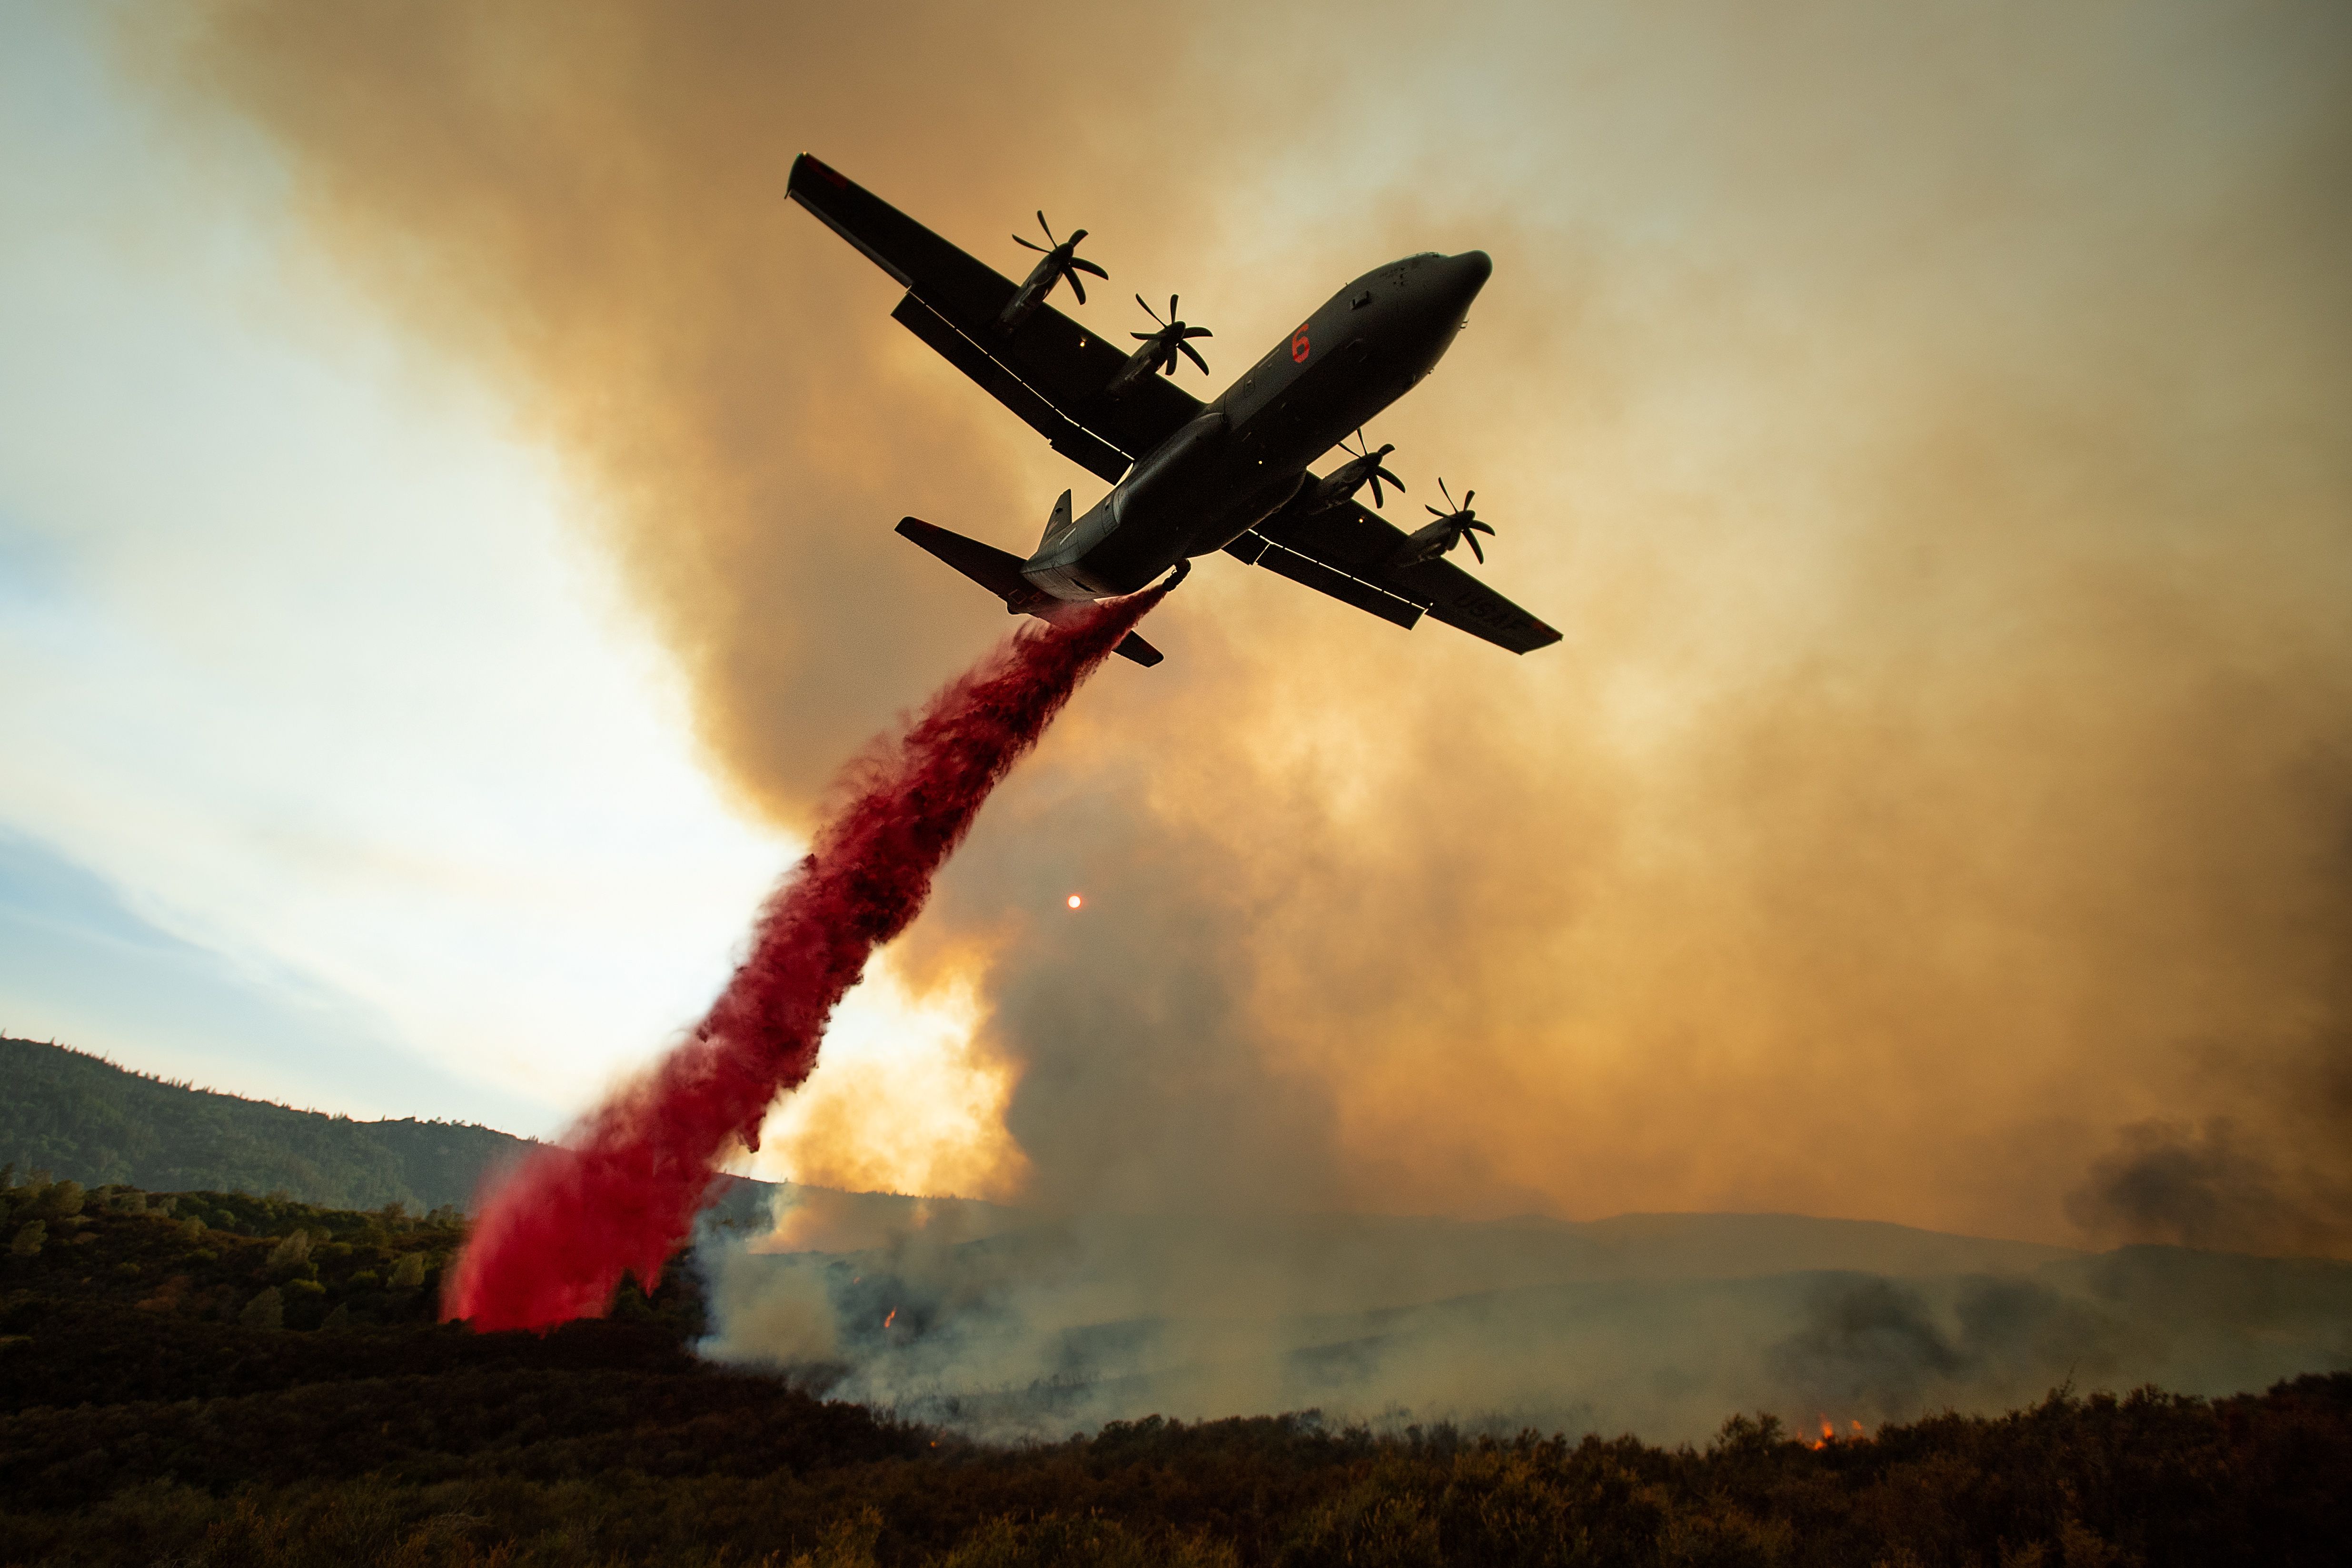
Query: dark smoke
x=2213 y=1188
x=1879 y=1347
x=554 y=1239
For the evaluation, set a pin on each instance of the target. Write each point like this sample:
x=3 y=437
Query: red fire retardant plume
x=552 y=1241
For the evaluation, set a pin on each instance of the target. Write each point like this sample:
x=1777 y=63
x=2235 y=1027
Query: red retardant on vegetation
x=552 y=1240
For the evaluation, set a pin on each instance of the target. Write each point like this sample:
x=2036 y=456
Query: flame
x=892 y=1318
x=1830 y=1434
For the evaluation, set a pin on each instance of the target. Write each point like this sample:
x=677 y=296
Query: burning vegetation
x=147 y=1414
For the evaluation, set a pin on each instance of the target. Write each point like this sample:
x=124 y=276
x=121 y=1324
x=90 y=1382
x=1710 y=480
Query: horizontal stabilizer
x=999 y=571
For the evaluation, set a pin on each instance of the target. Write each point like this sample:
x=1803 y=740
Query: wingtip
x=807 y=168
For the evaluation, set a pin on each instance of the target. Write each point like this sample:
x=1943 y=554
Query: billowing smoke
x=1012 y=1326
x=555 y=1234
x=2213 y=1187
x=1927 y=423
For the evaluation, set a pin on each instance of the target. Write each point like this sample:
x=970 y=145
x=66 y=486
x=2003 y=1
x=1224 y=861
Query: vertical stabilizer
x=1056 y=525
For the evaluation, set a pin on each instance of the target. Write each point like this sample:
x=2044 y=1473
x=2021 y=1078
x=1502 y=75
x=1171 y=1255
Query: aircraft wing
x=1051 y=372
x=1344 y=551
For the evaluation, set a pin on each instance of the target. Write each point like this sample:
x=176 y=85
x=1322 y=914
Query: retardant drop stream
x=552 y=1241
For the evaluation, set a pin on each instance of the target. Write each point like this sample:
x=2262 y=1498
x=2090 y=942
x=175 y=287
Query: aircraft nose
x=1472 y=268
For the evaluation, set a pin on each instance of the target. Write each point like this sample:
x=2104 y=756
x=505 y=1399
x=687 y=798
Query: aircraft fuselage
x=1244 y=456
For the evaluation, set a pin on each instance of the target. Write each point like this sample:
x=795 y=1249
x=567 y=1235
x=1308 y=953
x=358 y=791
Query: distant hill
x=83 y=1118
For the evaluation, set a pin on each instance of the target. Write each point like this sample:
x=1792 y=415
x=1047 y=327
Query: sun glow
x=900 y=1101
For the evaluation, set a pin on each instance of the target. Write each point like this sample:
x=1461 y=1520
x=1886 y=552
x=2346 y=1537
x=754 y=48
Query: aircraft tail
x=999 y=571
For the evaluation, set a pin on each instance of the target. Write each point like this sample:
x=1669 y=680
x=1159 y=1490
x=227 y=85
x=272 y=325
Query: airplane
x=1190 y=478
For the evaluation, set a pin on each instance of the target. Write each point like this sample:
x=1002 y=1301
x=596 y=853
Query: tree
x=29 y=1240
x=291 y=1256
x=409 y=1273
x=59 y=1201
x=266 y=1310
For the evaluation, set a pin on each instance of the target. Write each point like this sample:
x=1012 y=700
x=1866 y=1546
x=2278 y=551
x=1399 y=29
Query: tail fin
x=1057 y=524
x=999 y=571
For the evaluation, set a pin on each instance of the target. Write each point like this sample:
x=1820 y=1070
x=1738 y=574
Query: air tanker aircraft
x=1188 y=479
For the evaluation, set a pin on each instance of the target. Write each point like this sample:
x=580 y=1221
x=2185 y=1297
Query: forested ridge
x=80 y=1116
x=207 y=1377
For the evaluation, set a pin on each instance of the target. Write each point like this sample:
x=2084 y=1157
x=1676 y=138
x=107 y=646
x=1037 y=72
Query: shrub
x=29 y=1240
x=291 y=1256
x=409 y=1273
x=266 y=1310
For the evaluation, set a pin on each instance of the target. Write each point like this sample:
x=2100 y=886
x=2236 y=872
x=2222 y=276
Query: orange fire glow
x=1830 y=1434
x=1075 y=901
x=887 y=1321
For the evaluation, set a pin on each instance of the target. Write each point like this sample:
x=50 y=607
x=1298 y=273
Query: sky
x=445 y=554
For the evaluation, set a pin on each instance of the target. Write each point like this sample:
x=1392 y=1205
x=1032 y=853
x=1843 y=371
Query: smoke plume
x=1926 y=422
x=553 y=1238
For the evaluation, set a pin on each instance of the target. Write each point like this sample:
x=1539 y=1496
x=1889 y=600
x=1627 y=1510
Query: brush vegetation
x=204 y=1377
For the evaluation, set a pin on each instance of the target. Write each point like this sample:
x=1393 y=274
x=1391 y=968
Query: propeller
x=1171 y=337
x=1063 y=255
x=1363 y=455
x=1461 y=523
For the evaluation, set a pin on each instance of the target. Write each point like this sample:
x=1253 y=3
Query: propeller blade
x=1376 y=489
x=1075 y=287
x=1193 y=354
x=1198 y=332
x=1467 y=497
x=1380 y=473
x=1474 y=547
x=1172 y=307
x=1144 y=337
x=1029 y=243
x=1083 y=265
x=1439 y=516
x=1044 y=225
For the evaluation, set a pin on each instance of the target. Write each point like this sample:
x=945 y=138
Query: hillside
x=82 y=1118
x=204 y=1378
